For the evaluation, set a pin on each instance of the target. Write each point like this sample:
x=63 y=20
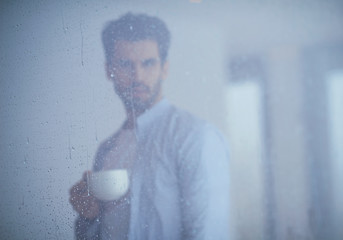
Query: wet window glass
x=267 y=75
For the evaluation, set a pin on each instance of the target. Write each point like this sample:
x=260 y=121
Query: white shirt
x=180 y=178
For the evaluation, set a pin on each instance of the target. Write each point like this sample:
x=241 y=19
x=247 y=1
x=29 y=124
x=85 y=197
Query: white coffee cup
x=109 y=185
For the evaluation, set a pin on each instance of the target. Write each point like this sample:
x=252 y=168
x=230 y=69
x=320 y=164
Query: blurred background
x=268 y=74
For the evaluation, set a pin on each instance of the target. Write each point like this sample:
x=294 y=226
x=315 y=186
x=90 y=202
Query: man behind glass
x=178 y=164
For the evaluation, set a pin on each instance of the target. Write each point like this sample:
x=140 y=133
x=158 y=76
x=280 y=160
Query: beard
x=135 y=103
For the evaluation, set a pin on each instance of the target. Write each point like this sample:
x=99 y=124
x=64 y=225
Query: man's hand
x=84 y=203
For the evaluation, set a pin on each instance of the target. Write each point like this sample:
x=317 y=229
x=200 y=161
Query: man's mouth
x=140 y=89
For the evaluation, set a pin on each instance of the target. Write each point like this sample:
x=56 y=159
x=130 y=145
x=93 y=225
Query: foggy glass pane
x=245 y=128
x=335 y=102
x=284 y=125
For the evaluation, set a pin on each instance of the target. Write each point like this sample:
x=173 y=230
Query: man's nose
x=138 y=73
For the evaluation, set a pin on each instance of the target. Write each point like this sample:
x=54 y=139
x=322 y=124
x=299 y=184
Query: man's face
x=137 y=73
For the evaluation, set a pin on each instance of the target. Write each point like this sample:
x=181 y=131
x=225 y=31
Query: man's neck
x=133 y=114
x=131 y=120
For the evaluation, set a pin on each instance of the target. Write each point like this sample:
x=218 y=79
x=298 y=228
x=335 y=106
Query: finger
x=79 y=188
x=81 y=185
x=86 y=206
x=91 y=211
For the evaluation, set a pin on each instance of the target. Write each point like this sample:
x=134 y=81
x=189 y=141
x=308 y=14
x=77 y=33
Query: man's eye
x=125 y=64
x=149 y=62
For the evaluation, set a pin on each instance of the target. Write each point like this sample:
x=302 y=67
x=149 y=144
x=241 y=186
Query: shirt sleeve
x=204 y=184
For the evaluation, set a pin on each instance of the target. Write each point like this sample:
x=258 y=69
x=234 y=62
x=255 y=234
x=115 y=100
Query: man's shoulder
x=109 y=141
x=104 y=147
x=181 y=122
x=187 y=133
x=179 y=117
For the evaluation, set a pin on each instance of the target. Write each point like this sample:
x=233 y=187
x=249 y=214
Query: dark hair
x=131 y=27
